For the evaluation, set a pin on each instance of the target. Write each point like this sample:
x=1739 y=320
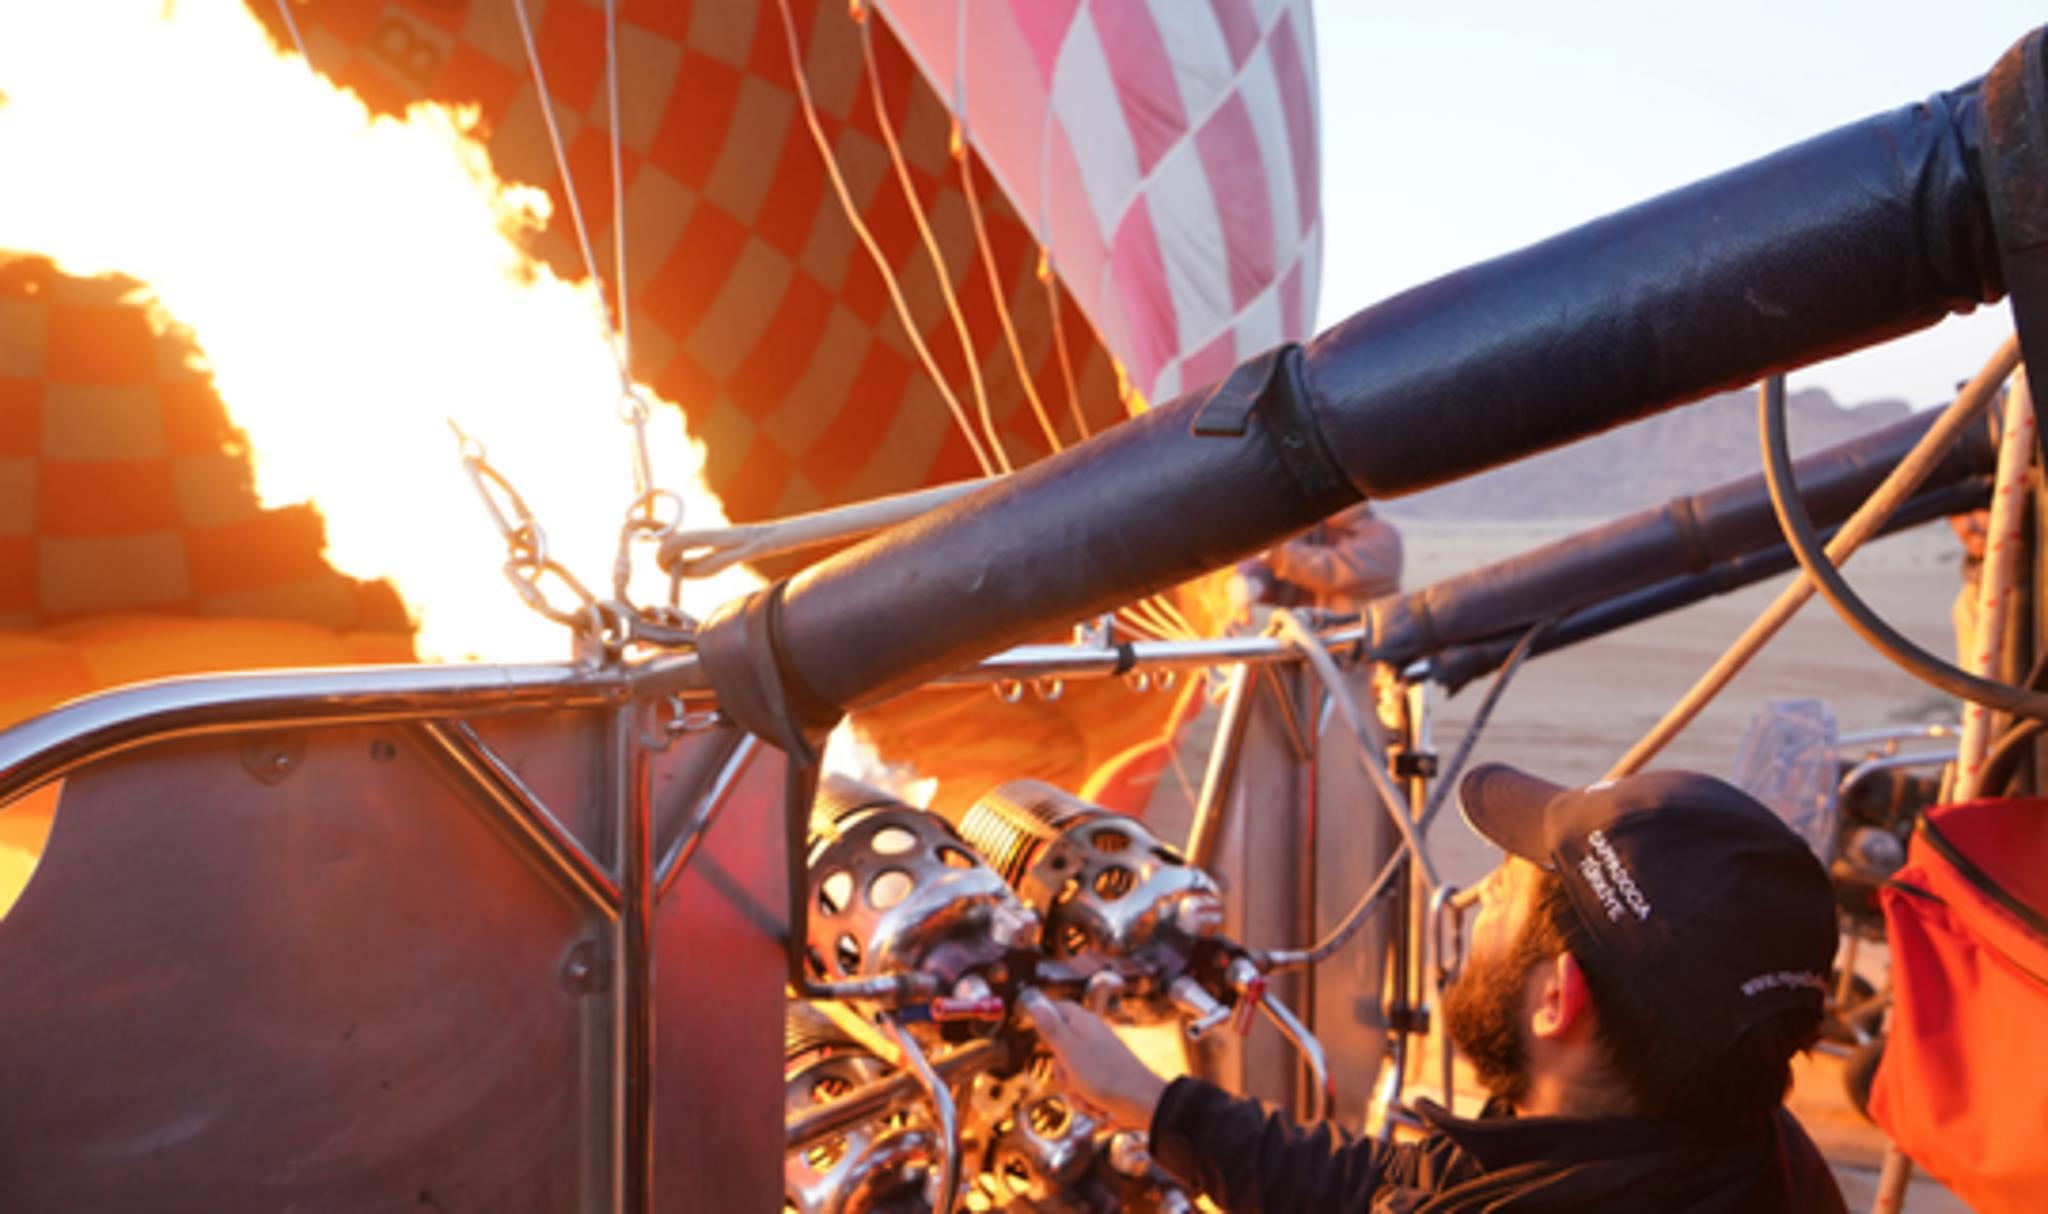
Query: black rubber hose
x=2006 y=753
x=1799 y=535
x=2008 y=750
x=1448 y=778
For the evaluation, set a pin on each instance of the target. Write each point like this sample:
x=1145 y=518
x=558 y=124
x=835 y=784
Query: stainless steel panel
x=1261 y=862
x=337 y=989
x=1354 y=837
x=1298 y=837
x=718 y=992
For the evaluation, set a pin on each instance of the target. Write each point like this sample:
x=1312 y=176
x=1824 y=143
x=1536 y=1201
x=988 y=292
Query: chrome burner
x=1102 y=882
x=894 y=890
x=878 y=1167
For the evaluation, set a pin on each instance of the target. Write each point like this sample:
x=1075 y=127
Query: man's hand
x=1095 y=1062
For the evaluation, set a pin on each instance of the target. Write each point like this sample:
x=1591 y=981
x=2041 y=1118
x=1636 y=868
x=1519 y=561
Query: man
x=1341 y=563
x=1643 y=967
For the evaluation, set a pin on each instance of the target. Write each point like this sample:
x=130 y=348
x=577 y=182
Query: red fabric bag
x=1963 y=1088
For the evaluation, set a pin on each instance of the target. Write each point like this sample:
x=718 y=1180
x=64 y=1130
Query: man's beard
x=1482 y=1012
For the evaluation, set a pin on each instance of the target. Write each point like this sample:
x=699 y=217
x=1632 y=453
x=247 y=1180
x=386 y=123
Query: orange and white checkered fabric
x=124 y=489
x=754 y=306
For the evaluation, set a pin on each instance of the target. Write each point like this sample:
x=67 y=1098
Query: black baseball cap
x=1697 y=897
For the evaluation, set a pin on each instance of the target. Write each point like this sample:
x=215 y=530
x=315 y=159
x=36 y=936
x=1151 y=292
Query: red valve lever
x=1248 y=1005
x=986 y=1007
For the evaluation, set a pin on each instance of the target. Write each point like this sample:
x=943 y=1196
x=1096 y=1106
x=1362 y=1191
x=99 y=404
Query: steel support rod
x=633 y=1011
x=1026 y=662
x=45 y=747
x=691 y=837
x=551 y=844
x=1221 y=773
x=703 y=551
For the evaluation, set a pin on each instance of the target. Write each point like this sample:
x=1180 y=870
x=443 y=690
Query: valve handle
x=1248 y=1000
x=985 y=1007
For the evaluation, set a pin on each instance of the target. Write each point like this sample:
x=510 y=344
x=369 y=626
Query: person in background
x=1643 y=968
x=1340 y=564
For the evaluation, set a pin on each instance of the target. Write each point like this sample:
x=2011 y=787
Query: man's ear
x=1564 y=1004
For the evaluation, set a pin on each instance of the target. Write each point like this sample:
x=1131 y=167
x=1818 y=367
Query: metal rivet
x=272 y=757
x=584 y=971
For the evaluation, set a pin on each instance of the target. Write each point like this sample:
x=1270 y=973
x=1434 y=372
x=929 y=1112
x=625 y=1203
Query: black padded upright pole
x=1684 y=536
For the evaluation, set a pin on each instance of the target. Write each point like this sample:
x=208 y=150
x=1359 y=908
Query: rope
x=1059 y=341
x=291 y=26
x=1002 y=304
x=940 y=270
x=623 y=313
x=547 y=113
x=867 y=240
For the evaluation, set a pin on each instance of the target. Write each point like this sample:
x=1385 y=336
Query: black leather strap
x=1273 y=386
x=769 y=698
x=1692 y=541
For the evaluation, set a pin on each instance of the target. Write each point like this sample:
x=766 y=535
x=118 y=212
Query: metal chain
x=527 y=564
x=550 y=589
x=663 y=624
x=615 y=622
x=633 y=412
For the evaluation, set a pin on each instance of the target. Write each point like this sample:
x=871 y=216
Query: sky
x=1454 y=132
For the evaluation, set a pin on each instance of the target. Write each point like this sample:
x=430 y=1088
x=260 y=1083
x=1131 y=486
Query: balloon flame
x=354 y=282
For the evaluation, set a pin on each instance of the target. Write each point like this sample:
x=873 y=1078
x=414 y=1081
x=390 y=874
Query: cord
x=1805 y=545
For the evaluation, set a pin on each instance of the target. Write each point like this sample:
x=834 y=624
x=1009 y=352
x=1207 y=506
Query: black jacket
x=1251 y=1161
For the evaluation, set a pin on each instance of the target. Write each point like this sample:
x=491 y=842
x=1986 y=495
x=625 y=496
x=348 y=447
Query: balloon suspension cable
x=844 y=194
x=632 y=405
x=1059 y=343
x=291 y=26
x=1370 y=740
x=1897 y=486
x=1139 y=624
x=1155 y=615
x=1820 y=569
x=941 y=272
x=622 y=317
x=562 y=171
x=1177 y=623
x=1448 y=778
x=1001 y=301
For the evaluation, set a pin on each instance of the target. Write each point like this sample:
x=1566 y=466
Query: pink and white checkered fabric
x=1165 y=150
